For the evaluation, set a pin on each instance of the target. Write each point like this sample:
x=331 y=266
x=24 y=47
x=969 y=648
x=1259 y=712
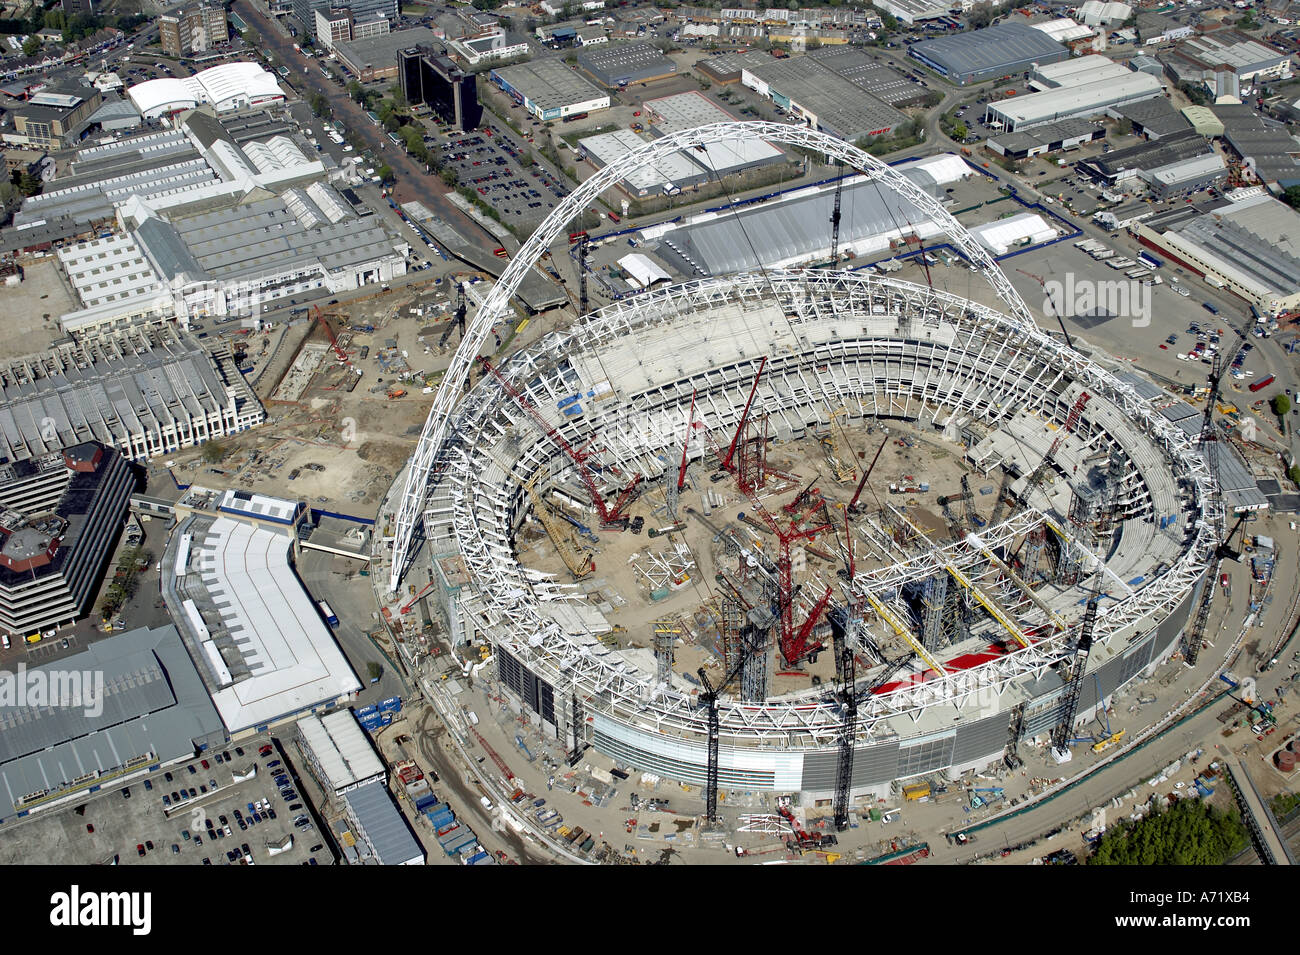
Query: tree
x=1189 y=833
x=385 y=173
x=28 y=184
x=373 y=671
x=1281 y=405
x=1293 y=473
x=214 y=451
x=1292 y=197
x=449 y=177
x=31 y=46
x=959 y=131
x=980 y=15
x=320 y=104
x=357 y=92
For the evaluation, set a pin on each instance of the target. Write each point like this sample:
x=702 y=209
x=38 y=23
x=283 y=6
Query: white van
x=4 y=638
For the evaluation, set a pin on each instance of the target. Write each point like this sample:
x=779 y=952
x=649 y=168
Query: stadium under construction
x=790 y=622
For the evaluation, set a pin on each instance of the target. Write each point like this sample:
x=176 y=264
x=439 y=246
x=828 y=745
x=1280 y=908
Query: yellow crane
x=986 y=600
x=843 y=473
x=577 y=560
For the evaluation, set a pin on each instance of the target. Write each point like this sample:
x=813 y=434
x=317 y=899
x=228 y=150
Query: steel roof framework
x=450 y=391
x=508 y=599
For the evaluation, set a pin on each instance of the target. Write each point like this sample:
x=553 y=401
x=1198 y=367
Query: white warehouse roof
x=1000 y=236
x=226 y=87
x=1078 y=70
x=292 y=659
x=943 y=168
x=1075 y=100
x=341 y=749
x=1063 y=30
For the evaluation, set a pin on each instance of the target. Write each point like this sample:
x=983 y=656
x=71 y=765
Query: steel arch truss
x=453 y=384
x=1001 y=362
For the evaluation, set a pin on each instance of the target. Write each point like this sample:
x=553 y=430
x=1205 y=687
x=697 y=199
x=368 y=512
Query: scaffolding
x=666 y=633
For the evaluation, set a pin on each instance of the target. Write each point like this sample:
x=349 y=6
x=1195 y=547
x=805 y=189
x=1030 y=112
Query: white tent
x=1000 y=236
x=641 y=271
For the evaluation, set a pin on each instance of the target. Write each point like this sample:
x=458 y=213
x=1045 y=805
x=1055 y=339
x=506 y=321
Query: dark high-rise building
x=433 y=80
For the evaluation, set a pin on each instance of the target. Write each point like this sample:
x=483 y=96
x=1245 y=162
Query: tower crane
x=582 y=276
x=458 y=321
x=1082 y=647
x=752 y=640
x=1036 y=476
x=1211 y=448
x=849 y=695
x=835 y=212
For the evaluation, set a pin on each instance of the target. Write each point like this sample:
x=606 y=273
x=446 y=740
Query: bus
x=1262 y=383
x=328 y=614
x=1149 y=260
x=577 y=236
x=613 y=217
x=372 y=117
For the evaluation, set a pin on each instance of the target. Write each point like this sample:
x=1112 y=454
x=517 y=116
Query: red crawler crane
x=611 y=518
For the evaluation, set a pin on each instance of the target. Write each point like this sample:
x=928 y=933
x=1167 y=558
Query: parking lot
x=488 y=163
x=150 y=822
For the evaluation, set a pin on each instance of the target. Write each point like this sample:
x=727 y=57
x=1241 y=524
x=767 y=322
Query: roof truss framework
x=999 y=364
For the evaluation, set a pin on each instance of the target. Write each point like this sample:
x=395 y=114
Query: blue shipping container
x=392 y=704
x=366 y=710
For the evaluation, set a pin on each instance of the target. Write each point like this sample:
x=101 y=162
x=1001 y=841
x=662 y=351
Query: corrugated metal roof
x=384 y=829
x=154 y=701
x=341 y=748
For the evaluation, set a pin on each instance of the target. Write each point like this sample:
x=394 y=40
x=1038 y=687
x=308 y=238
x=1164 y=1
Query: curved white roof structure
x=229 y=86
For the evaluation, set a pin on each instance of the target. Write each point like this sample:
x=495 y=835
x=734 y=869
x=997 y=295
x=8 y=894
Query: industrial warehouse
x=1076 y=89
x=988 y=54
x=217 y=217
x=703 y=373
x=144 y=390
x=549 y=90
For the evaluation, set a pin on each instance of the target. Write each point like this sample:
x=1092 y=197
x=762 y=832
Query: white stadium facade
x=885 y=349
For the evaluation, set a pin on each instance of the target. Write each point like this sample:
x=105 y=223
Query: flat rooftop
x=153 y=704
x=281 y=656
x=549 y=83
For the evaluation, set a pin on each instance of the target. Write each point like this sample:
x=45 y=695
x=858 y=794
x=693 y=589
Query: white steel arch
x=476 y=333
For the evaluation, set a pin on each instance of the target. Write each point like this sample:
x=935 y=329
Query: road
x=412 y=182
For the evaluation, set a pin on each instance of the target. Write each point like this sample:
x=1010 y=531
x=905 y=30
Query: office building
x=433 y=80
x=60 y=515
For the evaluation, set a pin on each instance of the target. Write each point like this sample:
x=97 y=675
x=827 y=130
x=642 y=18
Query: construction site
x=343 y=389
x=822 y=535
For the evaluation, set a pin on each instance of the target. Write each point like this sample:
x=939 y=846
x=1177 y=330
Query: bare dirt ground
x=31 y=309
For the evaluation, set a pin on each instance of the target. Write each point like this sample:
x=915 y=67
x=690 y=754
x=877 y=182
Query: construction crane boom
x=1056 y=311
x=1211 y=448
x=744 y=416
x=853 y=504
x=609 y=517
